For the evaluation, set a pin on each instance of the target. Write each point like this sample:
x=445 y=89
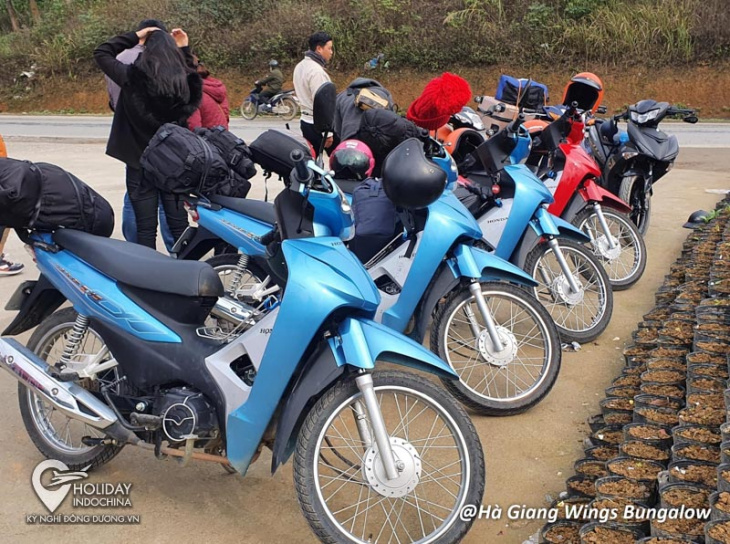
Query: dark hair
x=151 y=22
x=318 y=39
x=164 y=64
x=200 y=67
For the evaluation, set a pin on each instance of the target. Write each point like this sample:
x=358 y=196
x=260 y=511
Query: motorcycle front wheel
x=340 y=480
x=579 y=316
x=631 y=191
x=626 y=262
x=497 y=383
x=249 y=109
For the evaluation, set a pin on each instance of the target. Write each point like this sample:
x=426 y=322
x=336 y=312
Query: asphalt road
x=82 y=129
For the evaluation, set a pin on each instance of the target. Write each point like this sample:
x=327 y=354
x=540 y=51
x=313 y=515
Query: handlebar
x=302 y=173
x=514 y=126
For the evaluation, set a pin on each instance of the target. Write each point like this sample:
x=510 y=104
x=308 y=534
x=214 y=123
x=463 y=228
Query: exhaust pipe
x=234 y=311
x=67 y=397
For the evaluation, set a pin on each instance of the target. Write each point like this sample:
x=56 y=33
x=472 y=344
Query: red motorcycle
x=572 y=176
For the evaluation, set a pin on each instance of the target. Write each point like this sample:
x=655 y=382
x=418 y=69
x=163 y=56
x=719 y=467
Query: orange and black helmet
x=586 y=89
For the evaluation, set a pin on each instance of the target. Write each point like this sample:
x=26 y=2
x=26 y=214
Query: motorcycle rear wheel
x=292 y=108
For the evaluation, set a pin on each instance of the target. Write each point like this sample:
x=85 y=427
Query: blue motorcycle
x=501 y=342
x=133 y=364
x=510 y=204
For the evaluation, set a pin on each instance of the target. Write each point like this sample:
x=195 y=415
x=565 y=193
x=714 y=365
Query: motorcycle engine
x=186 y=414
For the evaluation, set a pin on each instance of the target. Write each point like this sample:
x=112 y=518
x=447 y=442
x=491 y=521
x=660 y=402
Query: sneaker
x=8 y=268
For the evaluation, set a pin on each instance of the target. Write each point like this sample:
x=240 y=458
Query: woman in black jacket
x=162 y=86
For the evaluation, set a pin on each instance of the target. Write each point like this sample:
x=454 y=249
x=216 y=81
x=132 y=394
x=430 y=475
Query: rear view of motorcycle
x=634 y=160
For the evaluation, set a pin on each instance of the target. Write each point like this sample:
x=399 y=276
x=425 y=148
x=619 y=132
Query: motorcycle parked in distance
x=572 y=176
x=633 y=161
x=284 y=105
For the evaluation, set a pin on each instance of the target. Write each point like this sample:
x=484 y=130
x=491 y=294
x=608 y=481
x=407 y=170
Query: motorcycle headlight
x=641 y=118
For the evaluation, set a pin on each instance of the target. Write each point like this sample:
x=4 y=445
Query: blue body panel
x=95 y=295
x=363 y=341
x=448 y=220
x=323 y=276
x=530 y=195
x=237 y=229
x=551 y=225
x=472 y=262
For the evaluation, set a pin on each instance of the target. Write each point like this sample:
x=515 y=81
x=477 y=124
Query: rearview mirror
x=324 y=107
x=602 y=110
x=691 y=119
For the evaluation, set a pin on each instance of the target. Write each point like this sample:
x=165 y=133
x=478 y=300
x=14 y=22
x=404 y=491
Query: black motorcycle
x=633 y=160
x=284 y=104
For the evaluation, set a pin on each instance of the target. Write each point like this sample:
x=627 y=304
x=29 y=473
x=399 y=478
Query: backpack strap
x=206 y=167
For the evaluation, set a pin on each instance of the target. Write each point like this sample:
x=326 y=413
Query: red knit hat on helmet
x=441 y=98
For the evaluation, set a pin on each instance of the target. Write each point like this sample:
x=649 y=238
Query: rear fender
x=35 y=300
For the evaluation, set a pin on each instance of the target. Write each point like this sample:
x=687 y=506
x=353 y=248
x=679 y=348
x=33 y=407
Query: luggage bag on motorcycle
x=20 y=193
x=383 y=130
x=68 y=202
x=272 y=150
x=232 y=148
x=46 y=197
x=376 y=219
x=180 y=162
x=521 y=92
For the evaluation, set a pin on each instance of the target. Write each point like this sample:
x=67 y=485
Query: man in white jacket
x=309 y=76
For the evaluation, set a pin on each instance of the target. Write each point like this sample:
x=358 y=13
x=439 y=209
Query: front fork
x=567 y=272
x=380 y=433
x=598 y=210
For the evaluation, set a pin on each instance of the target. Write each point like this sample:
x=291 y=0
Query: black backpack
x=232 y=148
x=68 y=202
x=20 y=193
x=180 y=162
x=382 y=130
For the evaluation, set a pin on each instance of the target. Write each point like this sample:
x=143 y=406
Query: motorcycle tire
x=292 y=108
x=249 y=110
x=630 y=191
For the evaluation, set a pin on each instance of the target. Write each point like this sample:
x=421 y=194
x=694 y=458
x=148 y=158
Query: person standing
x=214 y=110
x=161 y=86
x=309 y=76
x=129 y=223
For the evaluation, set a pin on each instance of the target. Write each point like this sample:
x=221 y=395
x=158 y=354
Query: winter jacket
x=309 y=76
x=213 y=110
x=138 y=114
x=382 y=131
x=347 y=114
x=128 y=56
x=274 y=80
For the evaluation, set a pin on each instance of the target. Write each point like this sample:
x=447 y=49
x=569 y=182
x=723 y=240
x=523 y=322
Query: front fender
x=476 y=263
x=362 y=341
x=591 y=191
x=547 y=224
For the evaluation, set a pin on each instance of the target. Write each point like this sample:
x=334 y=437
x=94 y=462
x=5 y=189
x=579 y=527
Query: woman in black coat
x=162 y=86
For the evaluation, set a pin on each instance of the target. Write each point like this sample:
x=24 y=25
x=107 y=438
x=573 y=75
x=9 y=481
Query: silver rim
x=248 y=110
x=58 y=430
x=590 y=308
x=512 y=379
x=362 y=514
x=623 y=264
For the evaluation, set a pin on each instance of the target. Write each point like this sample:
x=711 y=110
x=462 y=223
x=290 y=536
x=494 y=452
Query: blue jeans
x=129 y=224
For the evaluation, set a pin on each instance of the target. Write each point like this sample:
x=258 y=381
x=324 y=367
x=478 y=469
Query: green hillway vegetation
x=58 y=36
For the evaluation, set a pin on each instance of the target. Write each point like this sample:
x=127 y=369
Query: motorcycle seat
x=140 y=266
x=257 y=209
x=347 y=185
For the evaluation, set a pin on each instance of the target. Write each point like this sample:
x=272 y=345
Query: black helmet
x=273 y=63
x=410 y=180
x=696 y=219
